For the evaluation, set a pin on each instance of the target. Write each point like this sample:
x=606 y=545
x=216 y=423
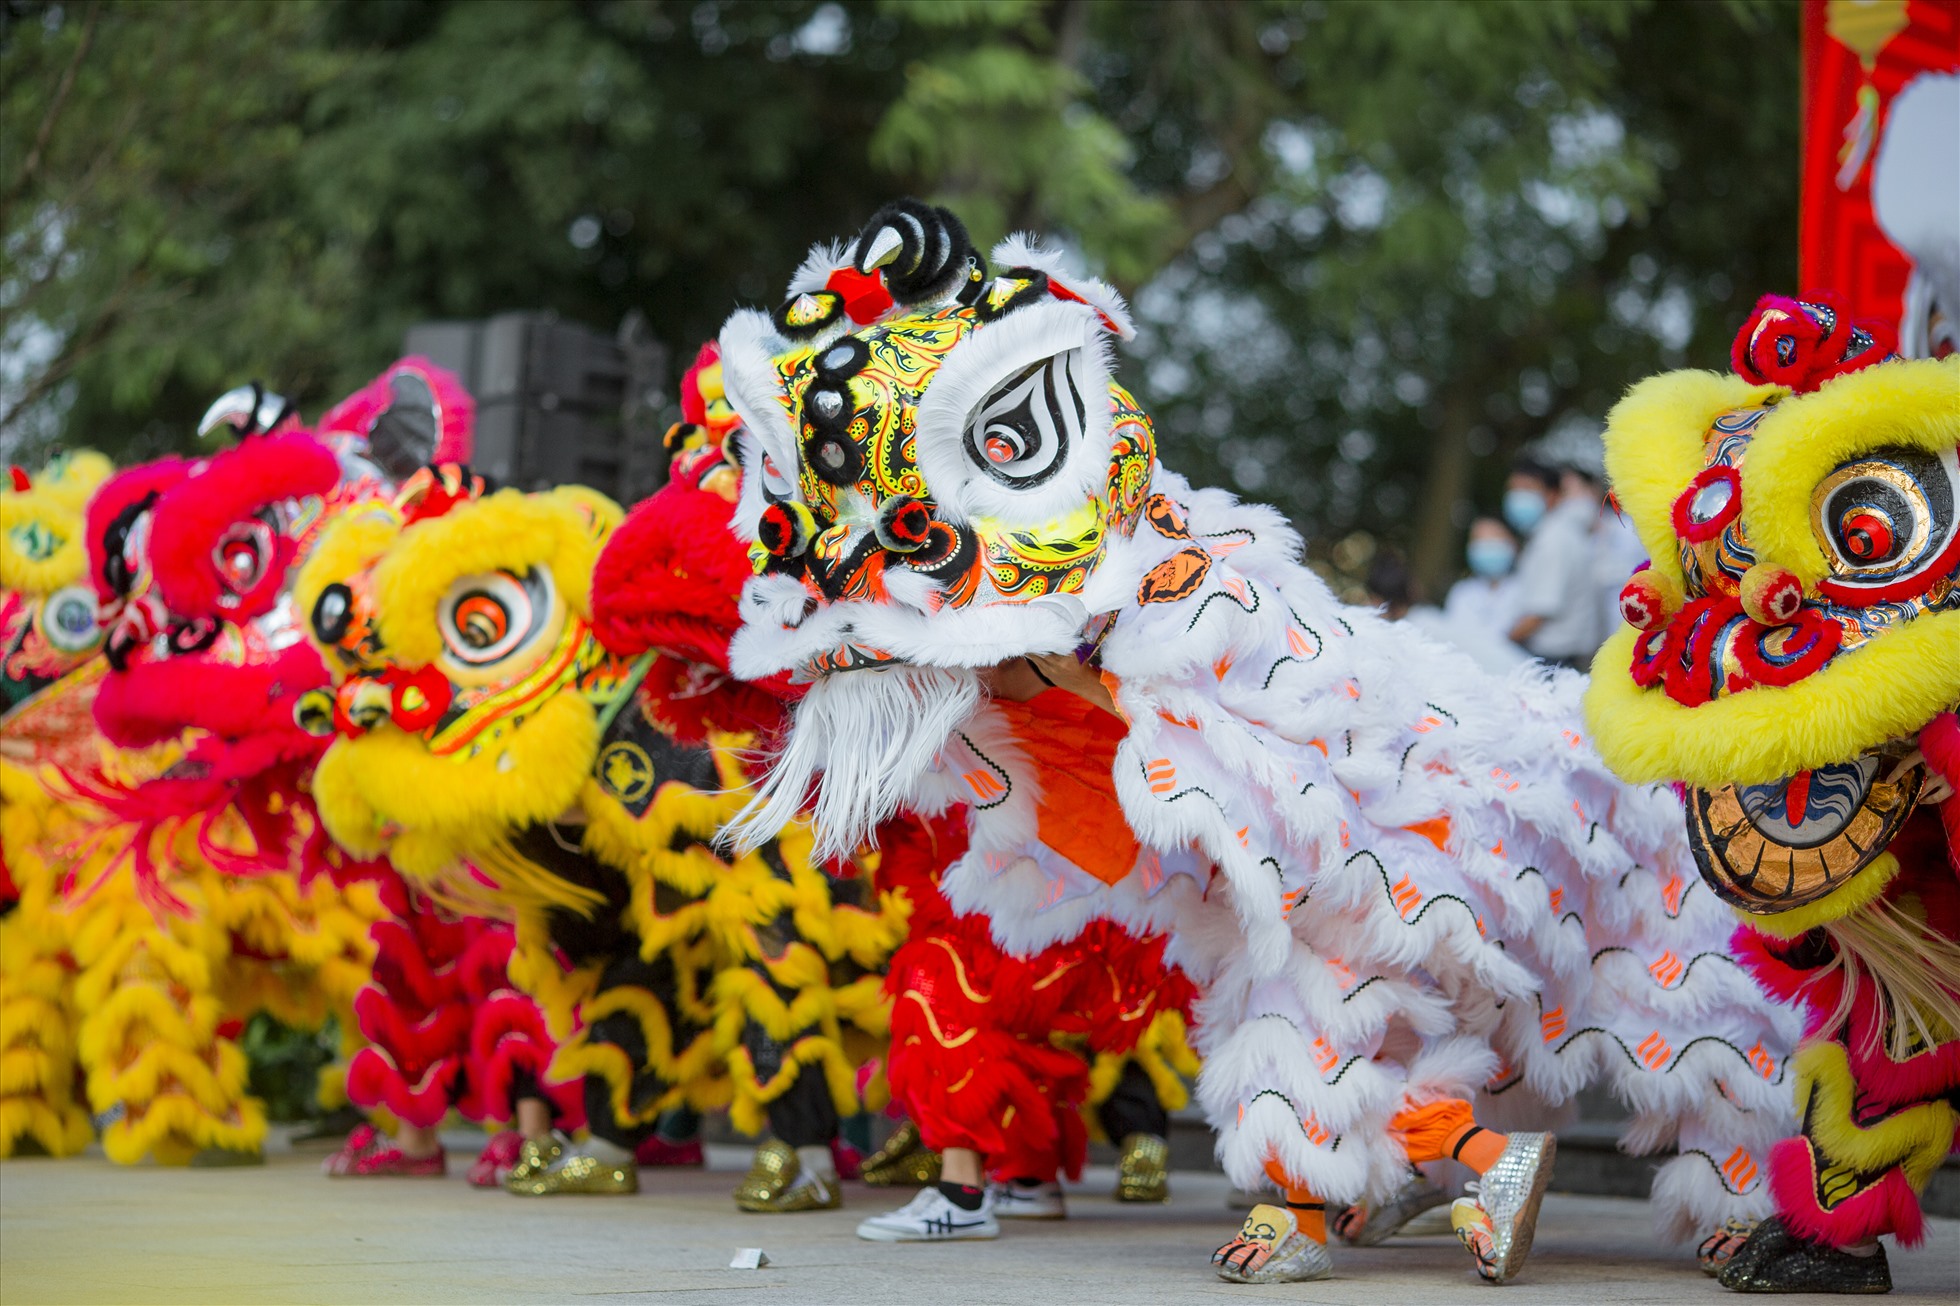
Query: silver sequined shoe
x=1497 y=1223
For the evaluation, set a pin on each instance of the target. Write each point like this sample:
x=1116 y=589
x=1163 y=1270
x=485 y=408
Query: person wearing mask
x=1481 y=609
x=1558 y=618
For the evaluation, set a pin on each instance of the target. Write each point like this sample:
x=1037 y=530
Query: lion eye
x=1020 y=435
x=1887 y=516
x=485 y=619
x=242 y=555
x=68 y=619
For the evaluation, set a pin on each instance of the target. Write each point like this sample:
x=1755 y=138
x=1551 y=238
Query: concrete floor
x=83 y=1231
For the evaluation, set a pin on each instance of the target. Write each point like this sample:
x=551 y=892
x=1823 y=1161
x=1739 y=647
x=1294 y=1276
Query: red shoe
x=850 y=1161
x=499 y=1155
x=370 y=1153
x=658 y=1151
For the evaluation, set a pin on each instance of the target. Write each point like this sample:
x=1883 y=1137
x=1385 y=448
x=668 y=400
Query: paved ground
x=82 y=1231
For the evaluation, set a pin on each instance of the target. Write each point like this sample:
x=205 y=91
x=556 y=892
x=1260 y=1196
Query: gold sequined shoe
x=534 y=1157
x=777 y=1182
x=903 y=1162
x=1143 y=1170
x=574 y=1172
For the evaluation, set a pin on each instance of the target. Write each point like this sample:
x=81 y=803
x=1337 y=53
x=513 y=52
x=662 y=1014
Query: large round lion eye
x=333 y=612
x=242 y=555
x=485 y=618
x=1021 y=433
x=1885 y=518
x=68 y=619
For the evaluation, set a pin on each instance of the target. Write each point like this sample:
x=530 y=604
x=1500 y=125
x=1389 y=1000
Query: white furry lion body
x=1393 y=878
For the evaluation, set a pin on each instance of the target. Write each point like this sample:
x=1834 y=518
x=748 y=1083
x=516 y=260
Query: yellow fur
x=54 y=504
x=446 y=808
x=1915 y=405
x=349 y=544
x=1654 y=440
x=1886 y=688
x=1915 y=1140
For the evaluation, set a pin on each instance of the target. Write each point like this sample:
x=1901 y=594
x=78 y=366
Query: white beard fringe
x=872 y=735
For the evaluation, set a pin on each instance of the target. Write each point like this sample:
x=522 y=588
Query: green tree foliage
x=1377 y=246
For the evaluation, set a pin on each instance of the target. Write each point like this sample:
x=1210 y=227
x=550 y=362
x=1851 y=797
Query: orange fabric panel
x=1072 y=744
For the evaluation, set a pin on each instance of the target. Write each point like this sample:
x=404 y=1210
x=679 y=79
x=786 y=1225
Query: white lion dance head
x=936 y=462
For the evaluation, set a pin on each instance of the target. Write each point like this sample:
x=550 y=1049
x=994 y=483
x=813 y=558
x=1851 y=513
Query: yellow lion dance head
x=1799 y=624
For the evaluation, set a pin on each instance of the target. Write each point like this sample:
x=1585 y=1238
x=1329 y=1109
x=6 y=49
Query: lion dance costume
x=193 y=884
x=1397 y=883
x=49 y=665
x=973 y=1060
x=499 y=750
x=1793 y=658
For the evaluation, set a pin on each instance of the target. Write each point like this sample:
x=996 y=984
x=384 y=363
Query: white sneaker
x=1011 y=1201
x=930 y=1218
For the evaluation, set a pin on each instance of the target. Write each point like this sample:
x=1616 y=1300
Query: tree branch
x=32 y=165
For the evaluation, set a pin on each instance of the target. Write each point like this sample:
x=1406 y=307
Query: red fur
x=374 y=1080
x=1889 y=1206
x=957 y=1066
x=667 y=582
x=248 y=705
x=232 y=486
x=356 y=414
x=508 y=1036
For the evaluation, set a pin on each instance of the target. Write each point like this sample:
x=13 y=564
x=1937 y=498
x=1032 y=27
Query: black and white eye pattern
x=1886 y=516
x=484 y=619
x=1021 y=434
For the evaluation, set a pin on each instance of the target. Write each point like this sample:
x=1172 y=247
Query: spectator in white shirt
x=1481 y=609
x=1558 y=601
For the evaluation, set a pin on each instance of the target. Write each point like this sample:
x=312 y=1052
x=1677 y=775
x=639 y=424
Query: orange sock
x=1427 y=1131
x=1309 y=1212
x=1476 y=1146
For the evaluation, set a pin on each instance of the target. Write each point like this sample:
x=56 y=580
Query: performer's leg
x=796 y=1171
x=1133 y=1117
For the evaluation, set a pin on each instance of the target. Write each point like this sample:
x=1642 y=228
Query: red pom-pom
x=1771 y=596
x=1648 y=600
x=419 y=698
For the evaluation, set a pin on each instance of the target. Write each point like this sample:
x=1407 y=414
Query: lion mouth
x=1776 y=846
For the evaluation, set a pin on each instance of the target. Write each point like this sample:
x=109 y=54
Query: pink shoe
x=658 y=1151
x=499 y=1155
x=850 y=1161
x=369 y=1153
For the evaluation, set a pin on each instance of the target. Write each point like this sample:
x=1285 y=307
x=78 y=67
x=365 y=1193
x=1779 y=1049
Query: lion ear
x=597 y=513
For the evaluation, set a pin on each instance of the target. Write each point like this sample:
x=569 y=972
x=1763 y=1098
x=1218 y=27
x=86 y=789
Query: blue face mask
x=1523 y=509
x=1491 y=558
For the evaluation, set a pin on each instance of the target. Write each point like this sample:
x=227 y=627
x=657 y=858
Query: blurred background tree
x=1377 y=247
